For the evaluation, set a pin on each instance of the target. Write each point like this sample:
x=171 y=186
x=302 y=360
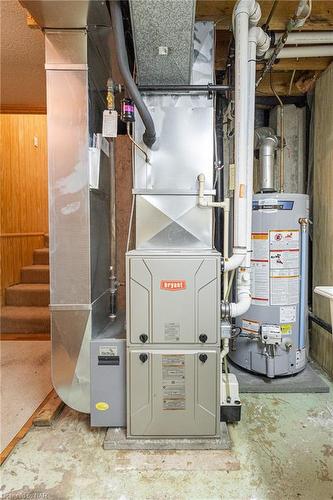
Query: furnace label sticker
x=172 y=332
x=260 y=269
x=108 y=350
x=173 y=381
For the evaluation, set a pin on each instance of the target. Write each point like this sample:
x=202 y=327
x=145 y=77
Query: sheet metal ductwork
x=163 y=40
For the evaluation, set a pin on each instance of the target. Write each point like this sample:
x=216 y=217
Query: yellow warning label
x=102 y=406
x=286 y=329
x=260 y=236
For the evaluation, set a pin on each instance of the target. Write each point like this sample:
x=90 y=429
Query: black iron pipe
x=184 y=88
x=219 y=173
x=149 y=137
x=315 y=319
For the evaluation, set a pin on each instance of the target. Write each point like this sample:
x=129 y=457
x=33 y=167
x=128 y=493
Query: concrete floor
x=282 y=449
x=25 y=383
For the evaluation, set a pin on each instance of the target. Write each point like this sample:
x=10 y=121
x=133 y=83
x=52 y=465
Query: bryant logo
x=173 y=285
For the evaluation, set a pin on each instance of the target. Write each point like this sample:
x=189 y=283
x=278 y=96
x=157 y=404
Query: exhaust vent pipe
x=267 y=142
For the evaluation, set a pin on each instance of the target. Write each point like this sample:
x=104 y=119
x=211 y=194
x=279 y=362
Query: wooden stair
x=26 y=303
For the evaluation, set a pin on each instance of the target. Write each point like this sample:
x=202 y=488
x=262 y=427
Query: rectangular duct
x=163 y=40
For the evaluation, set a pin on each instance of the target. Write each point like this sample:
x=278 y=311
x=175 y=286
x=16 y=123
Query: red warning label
x=173 y=285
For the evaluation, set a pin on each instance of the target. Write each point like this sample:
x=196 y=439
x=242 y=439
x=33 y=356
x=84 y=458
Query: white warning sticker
x=284 y=268
x=260 y=269
x=284 y=239
x=288 y=314
x=172 y=332
x=110 y=123
x=284 y=287
x=108 y=350
x=250 y=326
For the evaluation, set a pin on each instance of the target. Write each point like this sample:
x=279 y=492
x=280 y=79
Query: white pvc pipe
x=304 y=51
x=202 y=201
x=307 y=37
x=258 y=43
x=246 y=12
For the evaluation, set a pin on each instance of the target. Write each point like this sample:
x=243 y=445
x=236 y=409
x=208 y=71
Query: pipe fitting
x=249 y=7
x=225 y=309
x=203 y=203
x=261 y=39
x=235 y=260
x=267 y=142
x=243 y=294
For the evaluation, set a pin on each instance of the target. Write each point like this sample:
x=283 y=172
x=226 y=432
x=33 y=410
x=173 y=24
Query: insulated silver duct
x=267 y=142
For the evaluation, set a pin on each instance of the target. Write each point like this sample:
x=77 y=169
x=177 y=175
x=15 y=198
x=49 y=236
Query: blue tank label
x=272 y=205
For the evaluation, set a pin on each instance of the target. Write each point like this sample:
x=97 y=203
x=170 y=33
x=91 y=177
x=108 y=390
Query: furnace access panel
x=173 y=299
x=173 y=344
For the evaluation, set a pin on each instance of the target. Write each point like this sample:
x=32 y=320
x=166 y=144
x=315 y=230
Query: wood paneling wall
x=322 y=341
x=23 y=191
x=123 y=154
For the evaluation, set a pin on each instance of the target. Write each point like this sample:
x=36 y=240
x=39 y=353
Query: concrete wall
x=321 y=341
x=294 y=151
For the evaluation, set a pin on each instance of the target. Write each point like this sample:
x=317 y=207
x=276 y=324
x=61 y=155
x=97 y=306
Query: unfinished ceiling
x=321 y=18
x=22 y=50
x=22 y=61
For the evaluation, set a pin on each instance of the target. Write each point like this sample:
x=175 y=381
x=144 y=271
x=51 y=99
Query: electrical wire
x=270 y=15
x=230 y=284
x=291 y=81
x=135 y=144
x=130 y=224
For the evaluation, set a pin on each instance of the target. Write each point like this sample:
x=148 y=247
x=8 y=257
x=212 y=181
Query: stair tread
x=35 y=267
x=25 y=311
x=30 y=287
x=42 y=250
x=25 y=319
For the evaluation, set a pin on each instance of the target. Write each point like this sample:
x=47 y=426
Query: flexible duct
x=149 y=137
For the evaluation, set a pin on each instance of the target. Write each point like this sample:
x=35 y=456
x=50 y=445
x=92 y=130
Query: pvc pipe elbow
x=261 y=39
x=249 y=7
x=234 y=261
x=241 y=307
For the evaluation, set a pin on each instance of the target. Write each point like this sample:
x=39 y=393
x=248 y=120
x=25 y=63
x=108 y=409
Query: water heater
x=272 y=337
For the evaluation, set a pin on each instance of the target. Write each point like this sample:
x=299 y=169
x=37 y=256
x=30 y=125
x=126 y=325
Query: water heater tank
x=274 y=336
